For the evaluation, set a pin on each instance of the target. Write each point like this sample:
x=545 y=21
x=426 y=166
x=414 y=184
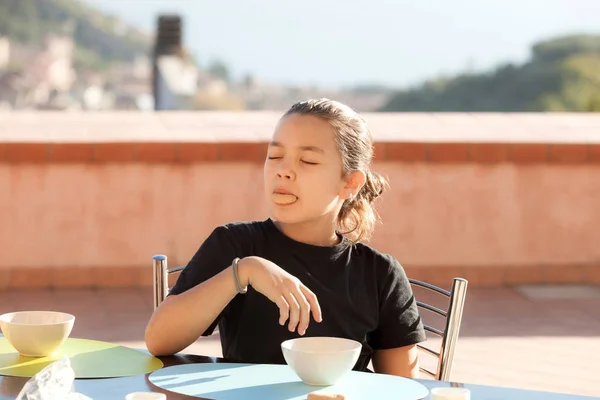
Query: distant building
x=175 y=76
x=176 y=83
x=56 y=63
x=4 y=52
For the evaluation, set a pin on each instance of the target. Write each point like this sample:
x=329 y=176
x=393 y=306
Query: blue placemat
x=224 y=381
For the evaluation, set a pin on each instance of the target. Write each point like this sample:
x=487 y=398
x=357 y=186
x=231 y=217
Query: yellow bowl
x=36 y=333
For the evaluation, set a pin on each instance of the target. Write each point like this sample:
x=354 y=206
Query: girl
x=262 y=281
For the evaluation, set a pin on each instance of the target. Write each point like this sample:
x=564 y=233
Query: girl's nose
x=286 y=172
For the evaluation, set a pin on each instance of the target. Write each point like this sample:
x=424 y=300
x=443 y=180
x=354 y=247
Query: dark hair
x=357 y=217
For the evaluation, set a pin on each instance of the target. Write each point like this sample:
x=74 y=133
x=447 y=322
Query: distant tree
x=562 y=75
x=97 y=44
x=19 y=20
x=594 y=104
x=560 y=48
x=249 y=81
x=218 y=69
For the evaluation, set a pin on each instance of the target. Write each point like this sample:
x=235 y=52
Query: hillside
x=100 y=39
x=562 y=74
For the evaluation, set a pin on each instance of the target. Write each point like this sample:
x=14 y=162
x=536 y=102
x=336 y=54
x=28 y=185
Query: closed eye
x=302 y=161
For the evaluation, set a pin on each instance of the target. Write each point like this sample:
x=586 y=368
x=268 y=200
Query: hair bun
x=374 y=187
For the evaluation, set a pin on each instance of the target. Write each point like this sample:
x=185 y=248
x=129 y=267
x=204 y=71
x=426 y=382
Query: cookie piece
x=322 y=395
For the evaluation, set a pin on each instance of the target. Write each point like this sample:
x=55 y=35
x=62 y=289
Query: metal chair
x=449 y=335
x=161 y=274
x=453 y=318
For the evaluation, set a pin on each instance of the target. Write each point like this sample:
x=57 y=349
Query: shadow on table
x=165 y=381
x=9 y=388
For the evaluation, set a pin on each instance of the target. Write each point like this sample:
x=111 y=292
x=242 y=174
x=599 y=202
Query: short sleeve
x=399 y=321
x=214 y=255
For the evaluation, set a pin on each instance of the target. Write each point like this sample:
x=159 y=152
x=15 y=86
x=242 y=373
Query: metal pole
x=450 y=338
x=161 y=281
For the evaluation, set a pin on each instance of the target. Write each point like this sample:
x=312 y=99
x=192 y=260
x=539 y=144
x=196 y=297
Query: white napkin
x=55 y=382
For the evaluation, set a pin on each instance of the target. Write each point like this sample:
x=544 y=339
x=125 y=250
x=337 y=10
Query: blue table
x=117 y=388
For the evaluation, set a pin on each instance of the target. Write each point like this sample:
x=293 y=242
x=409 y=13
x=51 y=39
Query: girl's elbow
x=158 y=349
x=154 y=344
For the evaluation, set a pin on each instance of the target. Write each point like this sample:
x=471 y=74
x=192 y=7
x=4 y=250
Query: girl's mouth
x=284 y=198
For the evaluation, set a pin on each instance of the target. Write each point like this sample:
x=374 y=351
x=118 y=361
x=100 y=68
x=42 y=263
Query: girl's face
x=303 y=172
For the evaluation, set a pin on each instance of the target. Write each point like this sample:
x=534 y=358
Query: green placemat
x=89 y=359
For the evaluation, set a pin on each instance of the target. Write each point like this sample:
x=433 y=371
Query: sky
x=340 y=43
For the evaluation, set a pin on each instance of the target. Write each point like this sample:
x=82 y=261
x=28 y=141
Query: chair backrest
x=449 y=336
x=161 y=274
x=453 y=317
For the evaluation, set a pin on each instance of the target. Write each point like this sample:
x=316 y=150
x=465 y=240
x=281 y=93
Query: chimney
x=168 y=35
x=168 y=43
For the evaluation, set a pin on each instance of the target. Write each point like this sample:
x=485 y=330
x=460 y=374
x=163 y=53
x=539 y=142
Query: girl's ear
x=355 y=180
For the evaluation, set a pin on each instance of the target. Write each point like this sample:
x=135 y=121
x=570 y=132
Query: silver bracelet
x=236 y=277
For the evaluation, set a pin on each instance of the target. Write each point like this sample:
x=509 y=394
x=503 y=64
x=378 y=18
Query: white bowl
x=36 y=333
x=321 y=361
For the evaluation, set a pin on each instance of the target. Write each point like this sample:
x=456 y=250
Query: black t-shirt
x=364 y=295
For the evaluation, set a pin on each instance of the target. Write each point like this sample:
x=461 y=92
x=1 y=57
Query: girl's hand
x=295 y=301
